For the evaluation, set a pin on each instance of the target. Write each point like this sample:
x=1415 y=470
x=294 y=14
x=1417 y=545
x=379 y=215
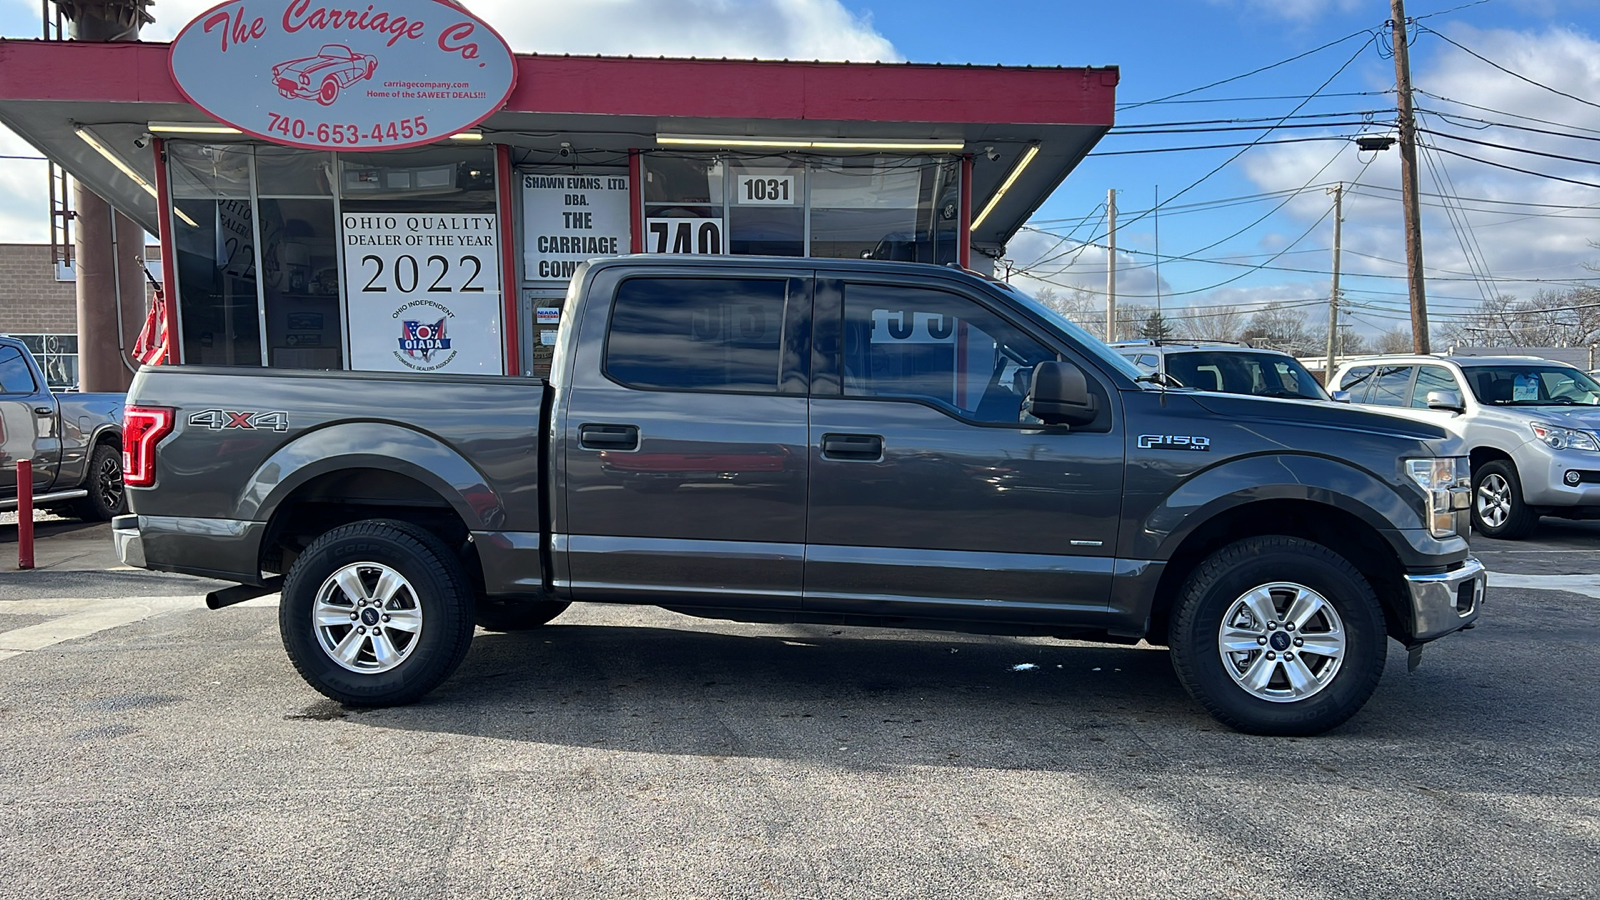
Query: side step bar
x=43 y=499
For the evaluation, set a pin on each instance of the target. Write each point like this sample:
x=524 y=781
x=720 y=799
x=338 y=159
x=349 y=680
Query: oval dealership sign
x=332 y=75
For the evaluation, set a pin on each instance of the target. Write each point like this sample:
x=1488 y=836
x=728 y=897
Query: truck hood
x=1324 y=414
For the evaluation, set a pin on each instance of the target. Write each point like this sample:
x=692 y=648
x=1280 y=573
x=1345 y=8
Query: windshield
x=1090 y=343
x=1235 y=372
x=1531 y=385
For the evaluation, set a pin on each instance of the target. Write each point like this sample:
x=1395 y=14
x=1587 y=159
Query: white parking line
x=1587 y=585
x=82 y=618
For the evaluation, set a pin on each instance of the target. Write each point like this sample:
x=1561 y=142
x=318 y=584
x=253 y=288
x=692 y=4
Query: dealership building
x=324 y=200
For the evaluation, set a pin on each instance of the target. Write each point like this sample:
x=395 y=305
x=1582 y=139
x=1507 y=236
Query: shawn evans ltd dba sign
x=363 y=76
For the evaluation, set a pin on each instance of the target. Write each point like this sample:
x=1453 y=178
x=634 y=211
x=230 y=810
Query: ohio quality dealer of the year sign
x=329 y=75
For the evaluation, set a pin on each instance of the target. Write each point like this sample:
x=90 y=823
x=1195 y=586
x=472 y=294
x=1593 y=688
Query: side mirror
x=1449 y=401
x=1340 y=396
x=1060 y=395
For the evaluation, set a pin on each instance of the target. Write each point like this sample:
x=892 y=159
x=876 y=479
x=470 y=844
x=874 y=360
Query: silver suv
x=1529 y=422
x=1225 y=368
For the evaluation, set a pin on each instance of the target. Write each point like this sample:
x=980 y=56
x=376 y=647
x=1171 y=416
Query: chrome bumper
x=1447 y=602
x=125 y=534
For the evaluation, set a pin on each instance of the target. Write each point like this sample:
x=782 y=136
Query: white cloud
x=770 y=29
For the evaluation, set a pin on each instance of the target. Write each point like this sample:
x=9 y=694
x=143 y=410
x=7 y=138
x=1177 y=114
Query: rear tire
x=1498 y=510
x=1278 y=636
x=517 y=615
x=106 y=497
x=388 y=576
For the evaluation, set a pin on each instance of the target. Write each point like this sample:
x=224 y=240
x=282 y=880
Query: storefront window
x=213 y=225
x=872 y=206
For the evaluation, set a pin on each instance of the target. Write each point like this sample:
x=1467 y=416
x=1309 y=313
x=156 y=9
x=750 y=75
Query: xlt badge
x=1174 y=442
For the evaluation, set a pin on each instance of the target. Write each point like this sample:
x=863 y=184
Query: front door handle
x=42 y=411
x=852 y=446
x=608 y=437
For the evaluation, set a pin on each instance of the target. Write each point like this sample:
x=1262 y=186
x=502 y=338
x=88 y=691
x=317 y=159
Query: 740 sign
x=349 y=135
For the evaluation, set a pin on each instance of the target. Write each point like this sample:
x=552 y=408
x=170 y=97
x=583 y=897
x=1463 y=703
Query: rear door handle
x=42 y=410
x=852 y=446
x=608 y=437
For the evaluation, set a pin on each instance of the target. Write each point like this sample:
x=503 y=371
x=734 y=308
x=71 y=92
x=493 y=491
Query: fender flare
x=384 y=446
x=1252 y=479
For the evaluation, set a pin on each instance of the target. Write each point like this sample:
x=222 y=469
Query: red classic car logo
x=322 y=77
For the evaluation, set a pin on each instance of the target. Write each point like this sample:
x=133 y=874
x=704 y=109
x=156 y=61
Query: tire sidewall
x=440 y=591
x=1250 y=564
x=1515 y=524
x=93 y=507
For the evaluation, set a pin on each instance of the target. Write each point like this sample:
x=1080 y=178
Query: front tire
x=106 y=498
x=1498 y=510
x=376 y=613
x=1278 y=636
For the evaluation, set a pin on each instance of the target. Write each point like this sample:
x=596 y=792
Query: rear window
x=1391 y=386
x=698 y=334
x=1356 y=381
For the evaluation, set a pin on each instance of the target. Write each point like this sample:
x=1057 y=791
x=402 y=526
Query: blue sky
x=1266 y=248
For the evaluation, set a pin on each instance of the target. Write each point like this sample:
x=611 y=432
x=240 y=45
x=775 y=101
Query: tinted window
x=1432 y=378
x=1356 y=381
x=1260 y=374
x=697 y=334
x=1391 y=386
x=15 y=376
x=938 y=347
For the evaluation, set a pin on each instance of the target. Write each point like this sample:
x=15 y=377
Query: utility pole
x=1408 y=179
x=1111 y=266
x=1333 y=294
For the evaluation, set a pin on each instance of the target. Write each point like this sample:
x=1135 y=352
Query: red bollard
x=24 y=513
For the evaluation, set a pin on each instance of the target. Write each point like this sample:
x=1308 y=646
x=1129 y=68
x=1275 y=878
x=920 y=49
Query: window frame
x=1405 y=392
x=22 y=357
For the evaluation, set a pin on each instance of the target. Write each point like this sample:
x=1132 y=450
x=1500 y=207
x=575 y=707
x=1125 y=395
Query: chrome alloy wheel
x=1282 y=642
x=1494 y=500
x=366 y=618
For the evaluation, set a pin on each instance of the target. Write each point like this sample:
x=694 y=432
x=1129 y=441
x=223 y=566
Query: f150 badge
x=218 y=419
x=1174 y=442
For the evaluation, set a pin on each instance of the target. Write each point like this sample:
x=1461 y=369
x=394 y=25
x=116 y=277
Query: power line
x=1473 y=53
x=1515 y=169
x=1502 y=112
x=1508 y=147
x=1265 y=68
x=1255 y=143
x=1255 y=99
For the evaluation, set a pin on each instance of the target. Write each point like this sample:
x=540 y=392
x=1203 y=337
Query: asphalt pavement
x=157 y=749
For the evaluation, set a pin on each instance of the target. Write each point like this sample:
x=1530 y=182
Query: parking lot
x=154 y=748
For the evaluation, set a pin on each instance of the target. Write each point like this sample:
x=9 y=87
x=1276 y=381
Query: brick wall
x=32 y=301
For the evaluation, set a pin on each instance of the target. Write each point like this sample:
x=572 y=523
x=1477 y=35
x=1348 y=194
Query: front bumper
x=1446 y=602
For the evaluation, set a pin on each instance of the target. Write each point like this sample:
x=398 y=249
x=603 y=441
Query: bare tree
x=1569 y=318
x=1214 y=323
x=1395 y=340
x=1280 y=327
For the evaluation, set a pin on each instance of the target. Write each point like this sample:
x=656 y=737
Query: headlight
x=1563 y=438
x=1447 y=482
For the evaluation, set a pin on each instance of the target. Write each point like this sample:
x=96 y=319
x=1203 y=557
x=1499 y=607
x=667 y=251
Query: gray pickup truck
x=73 y=440
x=816 y=441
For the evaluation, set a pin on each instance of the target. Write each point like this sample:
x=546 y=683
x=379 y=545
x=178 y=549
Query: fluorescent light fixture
x=1027 y=157
x=187 y=221
x=189 y=128
x=804 y=143
x=114 y=159
x=467 y=136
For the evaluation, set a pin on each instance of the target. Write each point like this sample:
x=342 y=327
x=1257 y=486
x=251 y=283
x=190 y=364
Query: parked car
x=825 y=441
x=1225 y=367
x=74 y=441
x=1530 y=425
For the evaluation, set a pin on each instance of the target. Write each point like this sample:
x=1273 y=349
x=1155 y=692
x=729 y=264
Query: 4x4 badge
x=1174 y=442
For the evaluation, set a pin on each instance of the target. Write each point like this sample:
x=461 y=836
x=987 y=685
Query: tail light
x=142 y=427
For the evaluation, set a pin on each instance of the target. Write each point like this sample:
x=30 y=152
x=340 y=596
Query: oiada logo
x=369 y=75
x=421 y=340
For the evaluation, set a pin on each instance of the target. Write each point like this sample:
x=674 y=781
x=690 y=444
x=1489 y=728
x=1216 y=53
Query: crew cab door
x=683 y=440
x=932 y=492
x=28 y=426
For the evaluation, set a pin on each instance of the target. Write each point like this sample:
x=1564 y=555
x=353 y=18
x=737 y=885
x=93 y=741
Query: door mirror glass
x=1060 y=395
x=1445 y=400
